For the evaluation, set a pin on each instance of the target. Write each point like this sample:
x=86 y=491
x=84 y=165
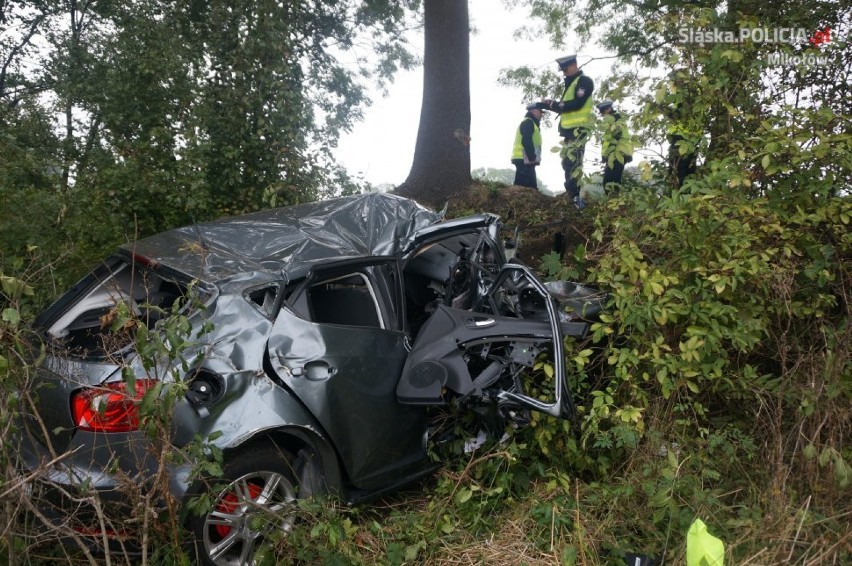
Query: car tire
x=256 y=494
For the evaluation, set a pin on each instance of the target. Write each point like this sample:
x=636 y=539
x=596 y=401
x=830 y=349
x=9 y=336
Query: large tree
x=166 y=112
x=442 y=153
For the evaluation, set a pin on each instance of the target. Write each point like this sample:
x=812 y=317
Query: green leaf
x=129 y=377
x=15 y=288
x=149 y=399
x=395 y=553
x=842 y=472
x=463 y=495
x=580 y=253
x=734 y=56
x=413 y=550
x=11 y=316
x=551 y=264
x=569 y=556
x=672 y=458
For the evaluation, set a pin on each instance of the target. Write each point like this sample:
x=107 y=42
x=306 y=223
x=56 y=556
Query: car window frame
x=385 y=288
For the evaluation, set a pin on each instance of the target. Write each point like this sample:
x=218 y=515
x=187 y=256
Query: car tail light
x=109 y=408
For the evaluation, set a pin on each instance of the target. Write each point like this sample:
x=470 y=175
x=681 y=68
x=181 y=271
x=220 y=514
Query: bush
x=721 y=381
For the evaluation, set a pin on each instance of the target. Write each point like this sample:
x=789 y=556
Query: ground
x=536 y=216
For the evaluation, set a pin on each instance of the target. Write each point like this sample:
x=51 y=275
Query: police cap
x=603 y=106
x=567 y=60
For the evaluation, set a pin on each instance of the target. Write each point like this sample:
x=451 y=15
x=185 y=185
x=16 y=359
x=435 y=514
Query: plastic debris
x=702 y=548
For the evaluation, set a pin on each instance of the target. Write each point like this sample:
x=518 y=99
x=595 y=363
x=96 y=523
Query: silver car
x=322 y=338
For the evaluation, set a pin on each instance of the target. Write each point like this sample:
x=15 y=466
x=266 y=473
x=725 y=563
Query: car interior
x=448 y=272
x=87 y=330
x=349 y=300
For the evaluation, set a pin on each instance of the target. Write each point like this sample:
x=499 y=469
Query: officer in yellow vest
x=616 y=146
x=576 y=115
x=526 y=152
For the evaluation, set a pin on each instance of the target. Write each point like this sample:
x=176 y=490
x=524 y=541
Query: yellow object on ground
x=702 y=548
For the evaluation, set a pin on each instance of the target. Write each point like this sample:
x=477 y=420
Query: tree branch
x=15 y=50
x=637 y=52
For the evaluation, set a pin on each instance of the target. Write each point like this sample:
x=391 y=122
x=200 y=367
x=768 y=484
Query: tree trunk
x=69 y=143
x=441 y=164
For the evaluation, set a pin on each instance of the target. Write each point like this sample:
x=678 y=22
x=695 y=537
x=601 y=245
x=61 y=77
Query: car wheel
x=255 y=496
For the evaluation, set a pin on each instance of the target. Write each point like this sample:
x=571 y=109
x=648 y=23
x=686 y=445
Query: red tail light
x=109 y=408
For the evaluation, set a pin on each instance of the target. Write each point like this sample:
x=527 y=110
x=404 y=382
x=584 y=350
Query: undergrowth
x=717 y=386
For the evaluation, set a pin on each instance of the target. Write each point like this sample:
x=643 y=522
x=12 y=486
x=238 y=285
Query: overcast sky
x=381 y=147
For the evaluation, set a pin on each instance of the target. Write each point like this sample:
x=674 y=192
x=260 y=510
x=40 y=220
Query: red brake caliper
x=229 y=504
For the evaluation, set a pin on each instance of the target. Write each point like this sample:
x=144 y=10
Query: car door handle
x=317 y=371
x=479 y=321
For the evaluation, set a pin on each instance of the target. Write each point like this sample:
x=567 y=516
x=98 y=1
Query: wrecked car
x=325 y=336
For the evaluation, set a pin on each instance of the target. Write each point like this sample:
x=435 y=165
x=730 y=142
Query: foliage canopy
x=147 y=115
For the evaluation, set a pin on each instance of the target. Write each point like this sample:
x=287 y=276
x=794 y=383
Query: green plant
x=724 y=347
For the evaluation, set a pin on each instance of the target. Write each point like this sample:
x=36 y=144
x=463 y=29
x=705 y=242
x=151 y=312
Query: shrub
x=720 y=382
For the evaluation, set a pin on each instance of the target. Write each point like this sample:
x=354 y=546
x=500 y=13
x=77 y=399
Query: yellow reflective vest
x=686 y=131
x=518 y=148
x=576 y=118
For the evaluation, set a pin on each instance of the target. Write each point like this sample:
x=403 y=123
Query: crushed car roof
x=289 y=240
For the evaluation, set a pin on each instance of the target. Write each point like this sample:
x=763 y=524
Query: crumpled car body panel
x=290 y=240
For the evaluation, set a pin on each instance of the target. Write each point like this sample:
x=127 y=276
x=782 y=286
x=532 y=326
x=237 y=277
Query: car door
x=339 y=346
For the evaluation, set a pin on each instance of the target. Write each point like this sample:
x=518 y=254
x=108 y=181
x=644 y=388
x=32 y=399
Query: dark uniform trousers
x=572 y=158
x=612 y=177
x=525 y=174
x=682 y=165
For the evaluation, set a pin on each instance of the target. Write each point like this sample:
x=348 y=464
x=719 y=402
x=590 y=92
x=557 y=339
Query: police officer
x=613 y=156
x=526 y=152
x=684 y=129
x=575 y=117
x=683 y=152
